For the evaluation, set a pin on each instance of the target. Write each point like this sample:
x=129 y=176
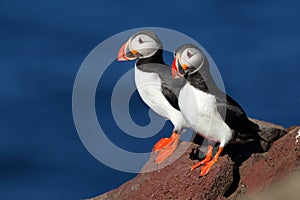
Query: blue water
x=255 y=45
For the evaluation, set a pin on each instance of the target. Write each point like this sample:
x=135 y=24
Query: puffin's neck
x=202 y=80
x=156 y=58
x=197 y=81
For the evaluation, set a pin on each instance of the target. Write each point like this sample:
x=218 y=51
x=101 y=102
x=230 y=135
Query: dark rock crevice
x=235 y=183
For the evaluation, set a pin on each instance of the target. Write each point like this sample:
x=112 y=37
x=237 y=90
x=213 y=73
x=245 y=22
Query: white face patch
x=145 y=45
x=191 y=57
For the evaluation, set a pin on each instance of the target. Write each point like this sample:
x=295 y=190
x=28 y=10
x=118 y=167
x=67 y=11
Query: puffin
x=155 y=85
x=202 y=104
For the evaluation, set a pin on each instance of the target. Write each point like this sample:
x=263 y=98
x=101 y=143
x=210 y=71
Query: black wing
x=235 y=116
x=170 y=96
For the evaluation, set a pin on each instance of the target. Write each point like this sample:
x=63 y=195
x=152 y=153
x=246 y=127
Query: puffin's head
x=143 y=44
x=187 y=59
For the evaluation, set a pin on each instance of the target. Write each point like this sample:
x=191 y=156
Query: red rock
x=176 y=181
x=261 y=171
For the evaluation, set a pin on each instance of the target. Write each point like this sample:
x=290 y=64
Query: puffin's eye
x=140 y=41
x=189 y=55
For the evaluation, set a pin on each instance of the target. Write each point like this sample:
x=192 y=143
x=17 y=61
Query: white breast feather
x=149 y=88
x=200 y=111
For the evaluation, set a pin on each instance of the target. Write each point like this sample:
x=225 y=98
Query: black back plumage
x=233 y=114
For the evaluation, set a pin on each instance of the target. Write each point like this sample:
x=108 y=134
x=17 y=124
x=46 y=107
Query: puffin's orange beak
x=125 y=53
x=174 y=69
x=175 y=72
x=122 y=54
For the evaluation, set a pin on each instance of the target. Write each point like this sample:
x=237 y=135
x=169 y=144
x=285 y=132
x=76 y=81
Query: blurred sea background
x=255 y=44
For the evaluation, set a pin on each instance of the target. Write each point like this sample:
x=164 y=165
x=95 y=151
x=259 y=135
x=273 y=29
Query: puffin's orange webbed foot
x=195 y=166
x=167 y=149
x=161 y=144
x=205 y=169
x=164 y=142
x=206 y=159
